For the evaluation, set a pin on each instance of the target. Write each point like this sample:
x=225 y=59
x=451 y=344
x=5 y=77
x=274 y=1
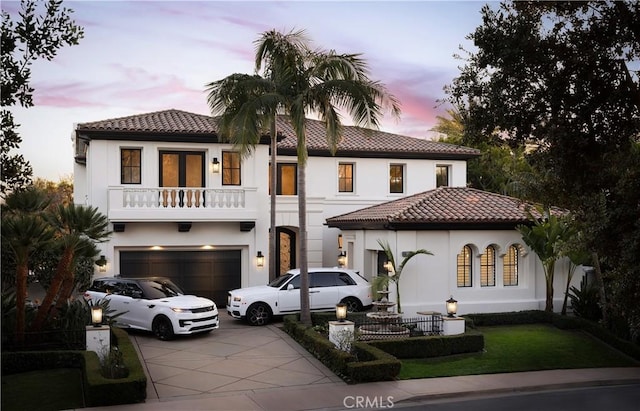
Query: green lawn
x=521 y=348
x=43 y=390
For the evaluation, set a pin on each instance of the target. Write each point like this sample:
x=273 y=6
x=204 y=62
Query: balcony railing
x=181 y=197
x=182 y=203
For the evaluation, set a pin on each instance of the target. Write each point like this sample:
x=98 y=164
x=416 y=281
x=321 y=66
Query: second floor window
x=345 y=178
x=181 y=169
x=396 y=178
x=442 y=176
x=287 y=179
x=231 y=168
x=130 y=166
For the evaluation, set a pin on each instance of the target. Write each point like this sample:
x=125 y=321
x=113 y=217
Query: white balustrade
x=183 y=197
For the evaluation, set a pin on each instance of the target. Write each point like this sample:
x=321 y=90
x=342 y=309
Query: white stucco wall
x=427 y=281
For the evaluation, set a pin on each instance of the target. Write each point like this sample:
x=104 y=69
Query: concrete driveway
x=235 y=358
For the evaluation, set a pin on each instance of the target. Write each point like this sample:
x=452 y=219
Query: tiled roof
x=167 y=121
x=444 y=207
x=356 y=141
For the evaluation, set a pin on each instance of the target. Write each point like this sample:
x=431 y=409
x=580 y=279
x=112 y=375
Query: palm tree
x=77 y=227
x=241 y=97
x=396 y=270
x=297 y=80
x=24 y=231
x=544 y=237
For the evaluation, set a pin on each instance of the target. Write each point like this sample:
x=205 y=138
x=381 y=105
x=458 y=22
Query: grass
x=521 y=348
x=43 y=390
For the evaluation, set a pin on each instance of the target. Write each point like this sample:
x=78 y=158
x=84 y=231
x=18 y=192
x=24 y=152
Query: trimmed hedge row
x=365 y=364
x=560 y=321
x=99 y=391
x=432 y=346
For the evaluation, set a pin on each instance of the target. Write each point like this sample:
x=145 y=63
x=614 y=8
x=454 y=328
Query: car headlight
x=237 y=298
x=180 y=310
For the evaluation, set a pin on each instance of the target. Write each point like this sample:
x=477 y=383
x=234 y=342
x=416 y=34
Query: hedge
x=99 y=391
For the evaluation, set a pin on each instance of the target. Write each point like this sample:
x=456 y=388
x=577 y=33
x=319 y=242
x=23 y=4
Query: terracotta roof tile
x=442 y=206
x=167 y=121
x=356 y=141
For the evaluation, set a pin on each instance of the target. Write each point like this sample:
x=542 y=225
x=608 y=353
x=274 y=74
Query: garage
x=208 y=274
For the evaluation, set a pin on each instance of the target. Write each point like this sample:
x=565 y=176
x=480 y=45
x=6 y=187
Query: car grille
x=184 y=322
x=202 y=310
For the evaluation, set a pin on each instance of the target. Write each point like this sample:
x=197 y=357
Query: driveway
x=235 y=358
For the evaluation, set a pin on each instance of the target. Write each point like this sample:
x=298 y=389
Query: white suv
x=155 y=304
x=327 y=287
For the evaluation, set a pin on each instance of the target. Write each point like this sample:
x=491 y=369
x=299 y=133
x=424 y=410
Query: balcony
x=165 y=204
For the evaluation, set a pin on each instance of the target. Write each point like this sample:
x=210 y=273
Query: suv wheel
x=258 y=314
x=162 y=328
x=353 y=304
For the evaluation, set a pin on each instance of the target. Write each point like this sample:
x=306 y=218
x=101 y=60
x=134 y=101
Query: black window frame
x=234 y=171
x=439 y=175
x=393 y=189
x=128 y=170
x=346 y=184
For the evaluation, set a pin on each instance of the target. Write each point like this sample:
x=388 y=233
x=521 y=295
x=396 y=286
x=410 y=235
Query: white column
x=341 y=334
x=99 y=340
x=453 y=325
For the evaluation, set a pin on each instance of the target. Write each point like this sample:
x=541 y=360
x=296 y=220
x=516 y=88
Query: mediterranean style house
x=185 y=204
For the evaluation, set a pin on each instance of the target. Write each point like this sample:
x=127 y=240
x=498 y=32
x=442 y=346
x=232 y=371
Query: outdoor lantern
x=452 y=307
x=388 y=266
x=215 y=165
x=260 y=259
x=341 y=312
x=102 y=263
x=342 y=259
x=96 y=316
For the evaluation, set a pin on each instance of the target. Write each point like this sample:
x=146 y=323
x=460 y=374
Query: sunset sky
x=143 y=56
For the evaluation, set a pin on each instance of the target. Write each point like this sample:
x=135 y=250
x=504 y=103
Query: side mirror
x=289 y=287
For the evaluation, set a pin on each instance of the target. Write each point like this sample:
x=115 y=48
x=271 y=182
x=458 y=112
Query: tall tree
x=44 y=27
x=544 y=237
x=304 y=80
x=239 y=97
x=560 y=75
x=500 y=168
x=24 y=231
x=77 y=227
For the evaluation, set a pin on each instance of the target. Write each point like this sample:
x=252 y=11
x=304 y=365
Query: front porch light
x=452 y=307
x=215 y=165
x=342 y=259
x=341 y=312
x=102 y=263
x=260 y=259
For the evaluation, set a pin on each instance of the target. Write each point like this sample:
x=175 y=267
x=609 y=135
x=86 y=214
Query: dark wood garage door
x=208 y=274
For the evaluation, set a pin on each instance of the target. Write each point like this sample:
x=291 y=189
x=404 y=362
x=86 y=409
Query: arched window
x=510 y=266
x=464 y=267
x=488 y=267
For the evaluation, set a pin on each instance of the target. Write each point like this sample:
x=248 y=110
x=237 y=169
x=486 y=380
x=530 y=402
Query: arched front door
x=286 y=250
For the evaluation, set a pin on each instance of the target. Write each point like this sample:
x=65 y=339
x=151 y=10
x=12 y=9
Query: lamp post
x=96 y=316
x=341 y=312
x=452 y=307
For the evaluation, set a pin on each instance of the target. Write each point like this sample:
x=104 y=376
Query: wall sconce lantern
x=341 y=312
x=339 y=241
x=342 y=259
x=388 y=266
x=452 y=307
x=96 y=316
x=215 y=165
x=102 y=263
x=260 y=259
